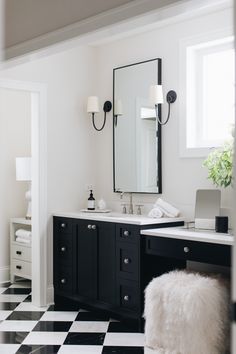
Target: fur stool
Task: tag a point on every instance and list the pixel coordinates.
(187, 313)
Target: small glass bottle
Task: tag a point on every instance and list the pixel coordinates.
(91, 201)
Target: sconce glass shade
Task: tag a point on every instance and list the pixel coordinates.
(155, 95)
(23, 168)
(118, 108)
(93, 104)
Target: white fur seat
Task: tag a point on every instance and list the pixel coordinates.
(187, 313)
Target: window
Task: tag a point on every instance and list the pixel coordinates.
(210, 95)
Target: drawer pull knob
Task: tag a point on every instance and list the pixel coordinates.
(126, 297)
(89, 227)
(63, 249)
(18, 252)
(63, 281)
(63, 225)
(18, 267)
(126, 260)
(186, 249)
(126, 233)
(94, 227)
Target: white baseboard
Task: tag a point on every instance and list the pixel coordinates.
(4, 274)
(50, 295)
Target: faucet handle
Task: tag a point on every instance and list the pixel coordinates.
(139, 211)
(124, 210)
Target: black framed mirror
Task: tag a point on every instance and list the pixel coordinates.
(136, 132)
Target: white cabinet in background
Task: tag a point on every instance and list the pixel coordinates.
(20, 253)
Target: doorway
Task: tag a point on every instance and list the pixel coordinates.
(38, 96)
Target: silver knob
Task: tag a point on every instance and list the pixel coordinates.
(126, 297)
(63, 249)
(126, 261)
(63, 281)
(186, 249)
(94, 227)
(126, 233)
(63, 225)
(89, 227)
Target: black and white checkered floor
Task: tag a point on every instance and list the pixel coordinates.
(25, 328)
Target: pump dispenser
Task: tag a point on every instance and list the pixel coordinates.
(91, 201)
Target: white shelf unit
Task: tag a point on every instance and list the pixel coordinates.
(20, 253)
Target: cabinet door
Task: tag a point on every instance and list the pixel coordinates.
(87, 259)
(106, 263)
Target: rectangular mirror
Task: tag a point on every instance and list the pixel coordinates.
(136, 132)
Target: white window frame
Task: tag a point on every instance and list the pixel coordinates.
(184, 45)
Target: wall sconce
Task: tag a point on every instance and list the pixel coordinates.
(118, 110)
(93, 107)
(156, 97)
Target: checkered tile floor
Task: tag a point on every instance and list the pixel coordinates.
(25, 328)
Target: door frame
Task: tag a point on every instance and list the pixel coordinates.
(38, 93)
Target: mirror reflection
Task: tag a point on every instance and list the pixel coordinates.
(137, 134)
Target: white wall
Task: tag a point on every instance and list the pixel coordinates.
(70, 78)
(15, 115)
(181, 176)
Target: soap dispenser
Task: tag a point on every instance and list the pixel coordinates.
(91, 201)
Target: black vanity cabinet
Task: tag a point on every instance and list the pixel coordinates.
(102, 265)
(95, 271)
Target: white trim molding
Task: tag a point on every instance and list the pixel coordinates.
(50, 295)
(4, 274)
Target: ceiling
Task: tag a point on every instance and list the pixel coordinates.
(28, 19)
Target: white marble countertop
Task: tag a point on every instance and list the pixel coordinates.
(191, 235)
(118, 218)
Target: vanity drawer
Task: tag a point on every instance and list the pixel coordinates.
(63, 281)
(63, 225)
(21, 252)
(127, 256)
(189, 250)
(63, 249)
(127, 233)
(128, 293)
(21, 268)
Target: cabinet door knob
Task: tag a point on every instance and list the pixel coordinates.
(18, 252)
(18, 267)
(63, 249)
(126, 260)
(63, 281)
(89, 227)
(94, 227)
(63, 225)
(126, 297)
(186, 249)
(126, 233)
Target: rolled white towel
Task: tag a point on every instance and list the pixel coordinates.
(23, 233)
(22, 240)
(167, 208)
(156, 212)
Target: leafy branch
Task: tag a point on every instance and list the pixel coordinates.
(220, 165)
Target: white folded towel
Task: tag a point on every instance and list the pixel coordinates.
(23, 233)
(23, 240)
(167, 208)
(156, 212)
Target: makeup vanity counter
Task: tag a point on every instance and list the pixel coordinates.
(189, 245)
(191, 234)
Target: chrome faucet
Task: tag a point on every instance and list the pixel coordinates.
(130, 206)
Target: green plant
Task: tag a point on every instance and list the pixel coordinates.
(220, 165)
